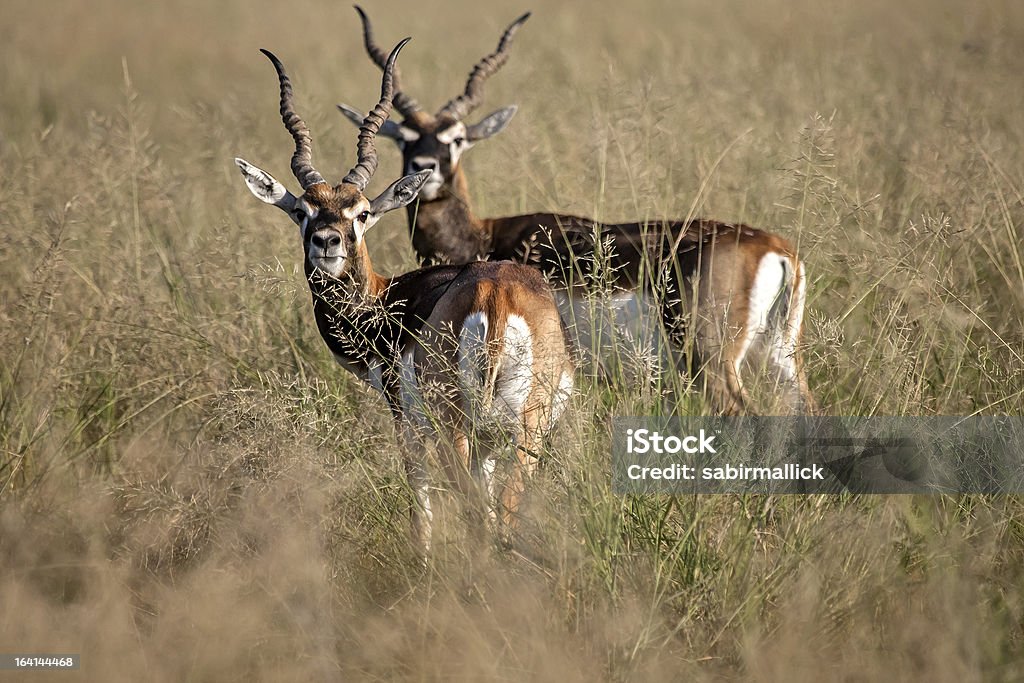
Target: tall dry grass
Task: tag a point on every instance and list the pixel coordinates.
(191, 490)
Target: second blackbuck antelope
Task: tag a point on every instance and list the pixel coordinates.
(720, 293)
(472, 357)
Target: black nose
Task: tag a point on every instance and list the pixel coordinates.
(325, 241)
(417, 165)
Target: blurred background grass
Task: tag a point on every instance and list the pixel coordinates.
(190, 489)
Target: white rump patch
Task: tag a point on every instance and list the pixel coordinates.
(769, 285)
(773, 322)
(515, 370)
(765, 294)
(497, 386)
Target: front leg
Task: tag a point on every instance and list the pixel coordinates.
(421, 513)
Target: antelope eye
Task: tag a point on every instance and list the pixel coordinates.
(299, 214)
(459, 141)
(363, 217)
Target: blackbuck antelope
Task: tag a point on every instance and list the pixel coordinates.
(719, 293)
(471, 356)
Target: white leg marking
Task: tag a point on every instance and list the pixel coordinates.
(490, 485)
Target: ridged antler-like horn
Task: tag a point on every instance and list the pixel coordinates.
(302, 160)
(366, 166)
(469, 100)
(406, 105)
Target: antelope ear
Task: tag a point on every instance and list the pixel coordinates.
(400, 193)
(265, 186)
(389, 129)
(491, 125)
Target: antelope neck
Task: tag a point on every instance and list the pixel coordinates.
(446, 230)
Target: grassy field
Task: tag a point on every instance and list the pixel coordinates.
(190, 489)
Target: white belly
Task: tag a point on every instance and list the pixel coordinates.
(618, 337)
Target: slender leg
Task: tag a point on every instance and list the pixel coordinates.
(519, 470)
(459, 466)
(720, 341)
(720, 371)
(421, 513)
(488, 484)
(723, 387)
(783, 364)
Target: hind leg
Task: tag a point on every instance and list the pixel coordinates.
(709, 324)
(773, 353)
(783, 356)
(464, 475)
(517, 472)
(721, 348)
(723, 387)
(790, 378)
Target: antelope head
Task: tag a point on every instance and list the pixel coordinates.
(436, 143)
(333, 220)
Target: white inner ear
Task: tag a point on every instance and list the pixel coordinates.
(264, 186)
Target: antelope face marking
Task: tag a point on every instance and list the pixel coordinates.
(332, 222)
(433, 145)
(436, 143)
